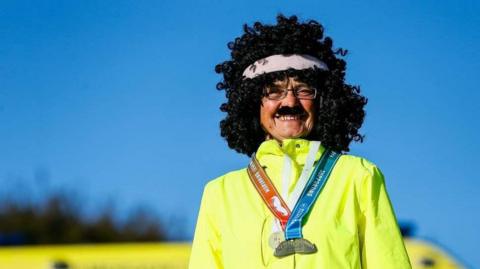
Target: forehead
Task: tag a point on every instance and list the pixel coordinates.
(293, 81)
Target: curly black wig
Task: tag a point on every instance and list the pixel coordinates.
(340, 107)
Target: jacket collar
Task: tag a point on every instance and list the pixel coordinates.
(296, 149)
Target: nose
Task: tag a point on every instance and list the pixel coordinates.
(290, 100)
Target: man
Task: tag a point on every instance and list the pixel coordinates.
(300, 203)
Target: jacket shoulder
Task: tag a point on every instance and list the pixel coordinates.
(358, 164)
(227, 180)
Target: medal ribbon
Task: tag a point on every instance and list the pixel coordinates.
(267, 191)
(302, 181)
(310, 193)
(291, 200)
(274, 200)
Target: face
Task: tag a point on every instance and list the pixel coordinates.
(289, 117)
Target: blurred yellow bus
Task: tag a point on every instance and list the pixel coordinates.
(423, 255)
(97, 256)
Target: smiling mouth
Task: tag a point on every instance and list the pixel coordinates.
(295, 113)
(289, 117)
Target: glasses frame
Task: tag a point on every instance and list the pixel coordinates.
(294, 91)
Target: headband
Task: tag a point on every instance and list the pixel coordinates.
(280, 62)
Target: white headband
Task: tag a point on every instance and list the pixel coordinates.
(281, 62)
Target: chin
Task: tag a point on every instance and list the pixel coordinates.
(293, 136)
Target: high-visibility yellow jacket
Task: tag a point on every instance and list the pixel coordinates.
(352, 222)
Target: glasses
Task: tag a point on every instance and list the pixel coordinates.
(300, 92)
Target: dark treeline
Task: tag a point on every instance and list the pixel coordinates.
(57, 219)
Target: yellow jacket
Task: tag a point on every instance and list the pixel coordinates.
(352, 222)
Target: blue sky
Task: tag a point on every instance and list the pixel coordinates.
(117, 100)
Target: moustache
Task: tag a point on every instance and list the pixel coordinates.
(286, 110)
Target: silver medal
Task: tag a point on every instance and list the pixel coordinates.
(275, 239)
(292, 246)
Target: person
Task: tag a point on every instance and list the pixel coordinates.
(302, 202)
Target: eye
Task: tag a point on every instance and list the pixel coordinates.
(274, 90)
(274, 93)
(304, 91)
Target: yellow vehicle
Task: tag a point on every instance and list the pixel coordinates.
(423, 255)
(97, 256)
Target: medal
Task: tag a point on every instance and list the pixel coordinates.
(275, 239)
(297, 245)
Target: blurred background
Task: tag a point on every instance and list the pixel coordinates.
(109, 117)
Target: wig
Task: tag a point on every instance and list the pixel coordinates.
(339, 106)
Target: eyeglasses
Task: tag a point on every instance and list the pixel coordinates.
(300, 92)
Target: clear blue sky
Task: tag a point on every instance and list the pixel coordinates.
(117, 99)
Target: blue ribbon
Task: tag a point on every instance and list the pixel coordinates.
(310, 193)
